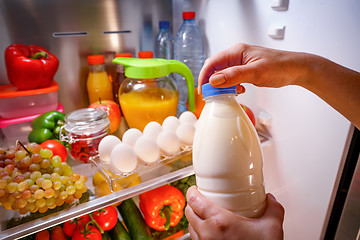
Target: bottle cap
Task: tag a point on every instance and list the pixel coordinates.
(145, 54)
(164, 24)
(96, 59)
(209, 90)
(188, 15)
(128, 55)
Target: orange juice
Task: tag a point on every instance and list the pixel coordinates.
(150, 104)
(99, 87)
(98, 83)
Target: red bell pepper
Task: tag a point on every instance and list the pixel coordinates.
(162, 207)
(30, 67)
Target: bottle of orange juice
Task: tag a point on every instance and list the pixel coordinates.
(98, 83)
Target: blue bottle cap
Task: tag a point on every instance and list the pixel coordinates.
(164, 24)
(208, 90)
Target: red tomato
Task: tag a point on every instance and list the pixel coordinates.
(106, 218)
(70, 226)
(88, 233)
(249, 113)
(56, 147)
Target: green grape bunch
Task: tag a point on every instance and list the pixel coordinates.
(33, 180)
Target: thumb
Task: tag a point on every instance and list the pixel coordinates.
(232, 76)
(274, 210)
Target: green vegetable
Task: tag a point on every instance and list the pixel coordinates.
(46, 126)
(105, 236)
(119, 232)
(134, 220)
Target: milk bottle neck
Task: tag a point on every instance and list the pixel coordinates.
(221, 97)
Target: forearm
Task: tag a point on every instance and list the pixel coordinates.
(335, 84)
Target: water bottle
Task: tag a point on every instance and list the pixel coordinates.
(189, 49)
(227, 157)
(164, 41)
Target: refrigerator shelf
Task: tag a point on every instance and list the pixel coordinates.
(168, 170)
(153, 179)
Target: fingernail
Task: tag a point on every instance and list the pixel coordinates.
(272, 196)
(217, 79)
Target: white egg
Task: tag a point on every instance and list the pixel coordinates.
(168, 142)
(152, 129)
(171, 123)
(147, 150)
(187, 117)
(123, 158)
(185, 133)
(106, 146)
(131, 136)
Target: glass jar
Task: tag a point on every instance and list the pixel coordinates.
(83, 130)
(146, 100)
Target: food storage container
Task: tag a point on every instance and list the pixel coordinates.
(18, 128)
(16, 103)
(83, 130)
(149, 92)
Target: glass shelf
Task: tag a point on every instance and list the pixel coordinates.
(157, 176)
(167, 171)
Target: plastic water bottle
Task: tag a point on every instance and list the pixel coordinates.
(227, 157)
(189, 49)
(164, 41)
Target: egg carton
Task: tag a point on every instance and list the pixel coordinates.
(111, 176)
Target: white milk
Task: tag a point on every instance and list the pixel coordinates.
(227, 157)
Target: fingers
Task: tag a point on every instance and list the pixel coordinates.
(201, 206)
(222, 60)
(273, 208)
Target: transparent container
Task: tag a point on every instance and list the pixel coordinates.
(83, 130)
(16, 103)
(98, 83)
(189, 49)
(164, 41)
(146, 100)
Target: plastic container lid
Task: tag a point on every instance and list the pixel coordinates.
(10, 91)
(123, 55)
(164, 24)
(146, 54)
(188, 15)
(209, 90)
(6, 122)
(96, 59)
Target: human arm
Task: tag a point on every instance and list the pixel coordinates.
(264, 67)
(209, 221)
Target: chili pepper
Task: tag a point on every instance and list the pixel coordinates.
(162, 207)
(30, 67)
(46, 126)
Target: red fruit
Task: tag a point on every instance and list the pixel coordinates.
(249, 113)
(113, 111)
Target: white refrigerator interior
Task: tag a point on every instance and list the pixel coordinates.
(302, 162)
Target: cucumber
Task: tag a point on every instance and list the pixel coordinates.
(119, 232)
(134, 221)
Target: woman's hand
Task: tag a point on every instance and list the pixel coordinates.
(209, 221)
(264, 67)
(260, 66)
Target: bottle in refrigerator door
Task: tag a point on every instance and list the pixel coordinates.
(164, 41)
(189, 49)
(120, 76)
(227, 157)
(98, 82)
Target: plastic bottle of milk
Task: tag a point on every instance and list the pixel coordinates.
(227, 157)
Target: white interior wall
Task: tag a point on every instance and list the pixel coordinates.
(308, 136)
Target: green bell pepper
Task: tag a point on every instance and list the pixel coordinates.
(46, 126)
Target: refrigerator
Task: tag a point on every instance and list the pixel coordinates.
(311, 150)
